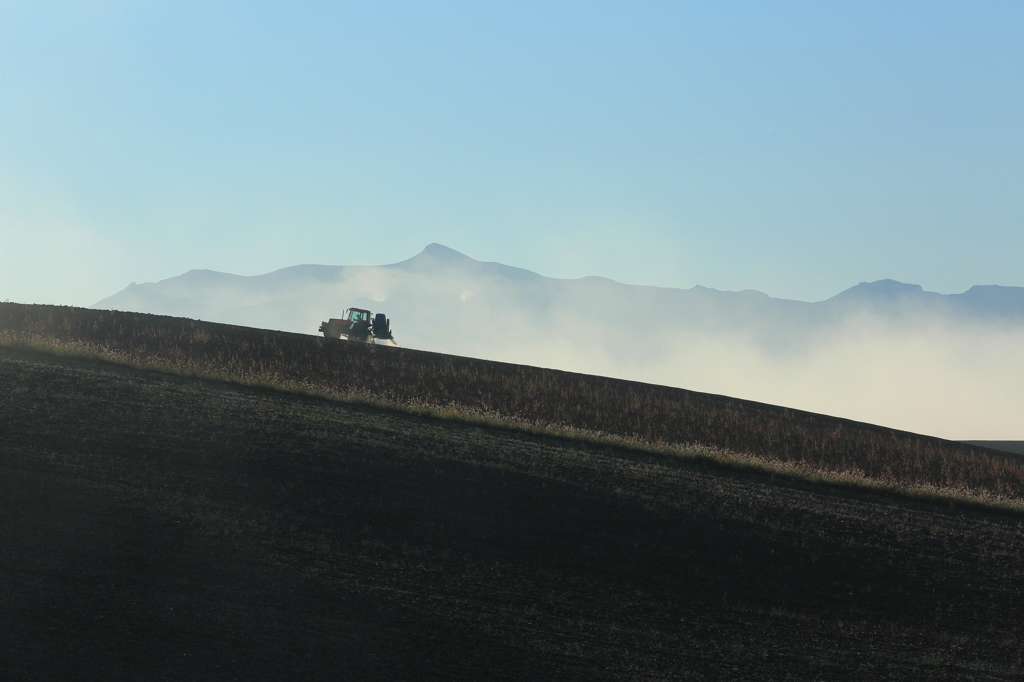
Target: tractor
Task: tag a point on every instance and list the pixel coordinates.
(357, 326)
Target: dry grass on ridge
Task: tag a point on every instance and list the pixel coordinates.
(709, 427)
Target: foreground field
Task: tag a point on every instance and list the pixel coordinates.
(660, 415)
(154, 527)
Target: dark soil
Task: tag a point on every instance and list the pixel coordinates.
(657, 414)
(156, 528)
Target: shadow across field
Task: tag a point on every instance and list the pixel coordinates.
(155, 527)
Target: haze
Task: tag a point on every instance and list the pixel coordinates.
(793, 148)
(885, 352)
(796, 148)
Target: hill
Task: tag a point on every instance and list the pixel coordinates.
(801, 442)
(881, 352)
(158, 527)
(1014, 446)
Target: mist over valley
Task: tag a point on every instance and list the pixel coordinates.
(883, 352)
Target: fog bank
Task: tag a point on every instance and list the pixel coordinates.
(884, 352)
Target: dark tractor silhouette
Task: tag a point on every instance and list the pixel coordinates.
(357, 326)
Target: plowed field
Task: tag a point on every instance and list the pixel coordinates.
(154, 528)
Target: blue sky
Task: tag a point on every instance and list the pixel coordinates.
(794, 148)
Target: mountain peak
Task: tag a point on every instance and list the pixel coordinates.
(434, 256)
(883, 288)
(440, 251)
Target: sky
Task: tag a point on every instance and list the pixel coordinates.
(796, 148)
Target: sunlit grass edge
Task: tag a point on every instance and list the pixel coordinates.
(692, 453)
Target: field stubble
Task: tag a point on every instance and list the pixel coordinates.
(718, 429)
(155, 527)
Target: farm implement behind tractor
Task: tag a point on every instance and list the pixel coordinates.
(357, 325)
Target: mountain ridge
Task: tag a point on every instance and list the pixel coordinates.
(883, 352)
(435, 253)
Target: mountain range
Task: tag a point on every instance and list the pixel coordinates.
(880, 351)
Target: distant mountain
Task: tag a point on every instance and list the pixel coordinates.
(443, 284)
(985, 301)
(874, 352)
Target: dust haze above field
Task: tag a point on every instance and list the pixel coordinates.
(883, 352)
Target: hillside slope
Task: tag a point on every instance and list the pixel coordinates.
(653, 413)
(160, 528)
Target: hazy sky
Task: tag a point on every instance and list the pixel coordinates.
(794, 148)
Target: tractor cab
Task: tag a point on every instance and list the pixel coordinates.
(357, 315)
(357, 327)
